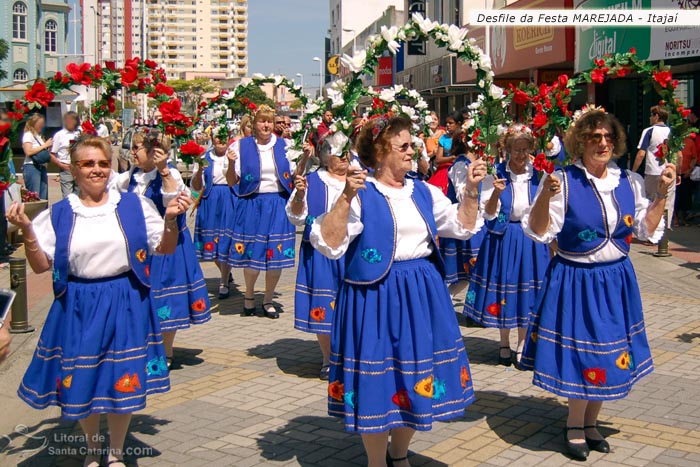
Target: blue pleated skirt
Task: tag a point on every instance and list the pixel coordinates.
(212, 237)
(506, 279)
(460, 256)
(317, 284)
(397, 355)
(586, 338)
(178, 290)
(100, 351)
(262, 237)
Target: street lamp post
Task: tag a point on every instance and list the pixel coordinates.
(301, 76)
(97, 44)
(320, 76)
(354, 37)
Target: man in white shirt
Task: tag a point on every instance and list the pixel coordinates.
(102, 130)
(59, 152)
(649, 143)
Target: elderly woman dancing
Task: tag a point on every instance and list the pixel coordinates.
(100, 350)
(397, 358)
(586, 339)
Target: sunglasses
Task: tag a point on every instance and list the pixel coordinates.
(403, 148)
(89, 164)
(135, 148)
(597, 138)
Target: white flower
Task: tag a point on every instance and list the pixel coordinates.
(481, 83)
(402, 34)
(474, 105)
(417, 141)
(424, 24)
(413, 94)
(409, 111)
(421, 104)
(335, 144)
(336, 97)
(293, 154)
(455, 37)
(471, 41)
(398, 88)
(389, 35)
(333, 128)
(501, 129)
(229, 96)
(485, 62)
(474, 65)
(387, 95)
(311, 108)
(428, 120)
(258, 76)
(496, 92)
(315, 122)
(278, 80)
(468, 123)
(355, 63)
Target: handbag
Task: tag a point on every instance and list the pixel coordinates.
(42, 157)
(695, 174)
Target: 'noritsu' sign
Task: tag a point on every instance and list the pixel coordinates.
(416, 47)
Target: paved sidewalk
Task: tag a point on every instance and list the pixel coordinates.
(246, 393)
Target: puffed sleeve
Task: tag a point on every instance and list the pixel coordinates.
(458, 176)
(641, 205)
(557, 211)
(486, 193)
(169, 196)
(293, 218)
(355, 228)
(448, 225)
(154, 223)
(45, 235)
(236, 145)
(119, 181)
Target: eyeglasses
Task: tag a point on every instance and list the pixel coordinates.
(403, 148)
(521, 151)
(597, 138)
(90, 163)
(135, 148)
(654, 114)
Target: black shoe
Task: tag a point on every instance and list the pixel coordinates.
(578, 451)
(230, 278)
(325, 372)
(517, 357)
(248, 311)
(224, 291)
(390, 460)
(505, 361)
(599, 445)
(270, 311)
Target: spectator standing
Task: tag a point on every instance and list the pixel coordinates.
(59, 152)
(35, 150)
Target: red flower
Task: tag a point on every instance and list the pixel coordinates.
(111, 105)
(111, 66)
(97, 71)
(595, 376)
(539, 162)
(633, 50)
(663, 78)
(5, 128)
(252, 107)
(685, 113)
(599, 62)
(58, 77)
(402, 399)
(164, 89)
(661, 151)
(88, 128)
(520, 97)
(39, 94)
(209, 246)
(692, 135)
(494, 309)
(598, 75)
(15, 116)
(170, 111)
(270, 253)
(318, 314)
(336, 390)
(190, 148)
(79, 73)
(199, 305)
(674, 83)
(539, 121)
(129, 75)
(549, 167)
(150, 64)
(563, 81)
(623, 71)
(132, 62)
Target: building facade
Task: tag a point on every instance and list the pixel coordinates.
(199, 39)
(36, 33)
(350, 17)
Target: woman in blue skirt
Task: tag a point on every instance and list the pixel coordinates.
(459, 255)
(510, 267)
(398, 362)
(262, 238)
(214, 210)
(317, 276)
(586, 340)
(179, 292)
(100, 350)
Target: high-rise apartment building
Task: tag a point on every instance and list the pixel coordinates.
(199, 38)
(120, 30)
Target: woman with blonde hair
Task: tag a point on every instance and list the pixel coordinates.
(100, 350)
(179, 293)
(262, 238)
(36, 156)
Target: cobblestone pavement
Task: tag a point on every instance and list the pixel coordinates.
(245, 392)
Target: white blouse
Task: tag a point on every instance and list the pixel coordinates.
(334, 187)
(605, 186)
(97, 247)
(35, 140)
(412, 234)
(120, 183)
(269, 183)
(219, 168)
(521, 196)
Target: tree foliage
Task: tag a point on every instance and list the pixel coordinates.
(4, 50)
(192, 91)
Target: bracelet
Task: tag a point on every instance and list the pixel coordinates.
(471, 195)
(660, 196)
(166, 174)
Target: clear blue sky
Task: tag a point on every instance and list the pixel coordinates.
(285, 35)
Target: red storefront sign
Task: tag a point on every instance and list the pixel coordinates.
(385, 71)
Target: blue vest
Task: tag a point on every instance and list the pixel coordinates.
(133, 225)
(451, 191)
(585, 228)
(153, 192)
(316, 200)
(498, 225)
(208, 175)
(370, 256)
(251, 166)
